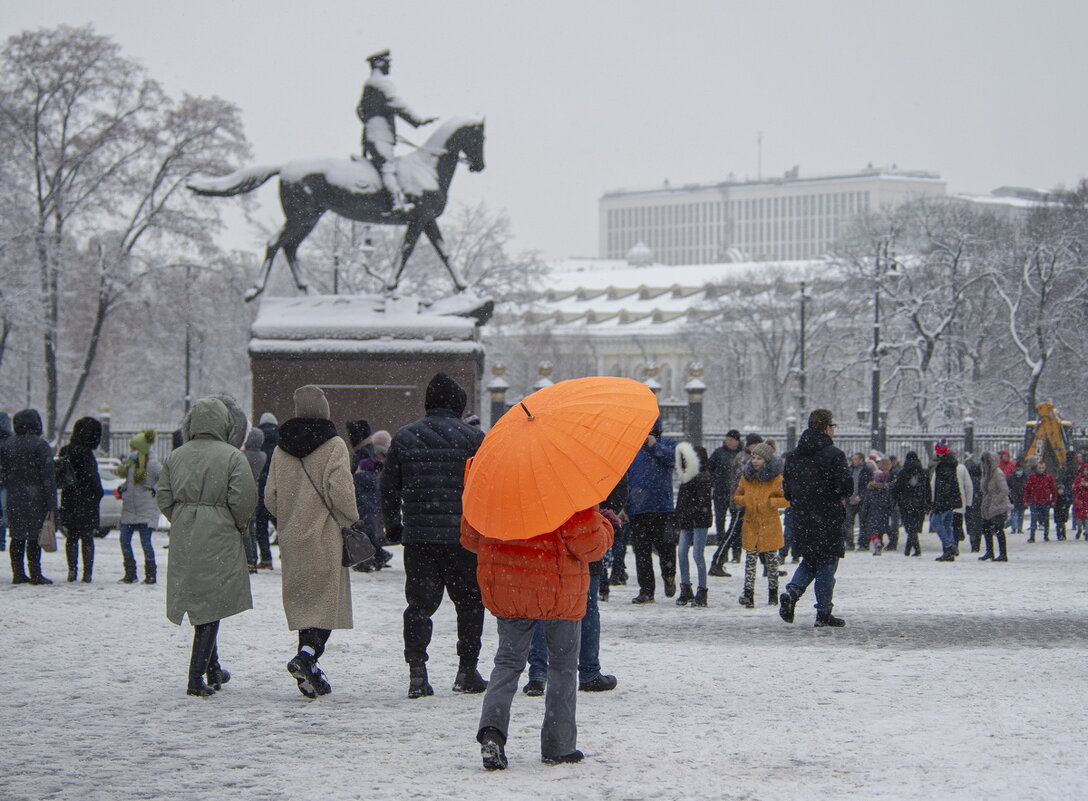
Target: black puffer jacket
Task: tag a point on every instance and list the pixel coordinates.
(693, 503)
(815, 482)
(912, 487)
(424, 476)
(80, 502)
(26, 472)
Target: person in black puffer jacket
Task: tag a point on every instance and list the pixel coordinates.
(693, 518)
(817, 483)
(79, 503)
(912, 496)
(421, 485)
(26, 473)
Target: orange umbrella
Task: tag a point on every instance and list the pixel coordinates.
(559, 451)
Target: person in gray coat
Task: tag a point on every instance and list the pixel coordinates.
(26, 472)
(994, 506)
(255, 455)
(140, 470)
(207, 492)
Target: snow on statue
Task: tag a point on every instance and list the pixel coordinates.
(406, 190)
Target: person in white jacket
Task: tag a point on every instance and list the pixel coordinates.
(952, 494)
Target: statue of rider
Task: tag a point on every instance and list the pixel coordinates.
(378, 109)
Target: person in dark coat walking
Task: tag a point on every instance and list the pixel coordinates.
(817, 484)
(911, 491)
(972, 519)
(421, 487)
(724, 467)
(26, 471)
(860, 474)
(5, 432)
(693, 518)
(876, 512)
(79, 502)
(270, 427)
(255, 455)
(366, 471)
(650, 510)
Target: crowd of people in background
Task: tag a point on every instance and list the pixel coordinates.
(226, 487)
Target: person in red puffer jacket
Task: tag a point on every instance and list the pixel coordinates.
(1040, 493)
(545, 578)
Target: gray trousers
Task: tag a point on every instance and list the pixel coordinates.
(559, 732)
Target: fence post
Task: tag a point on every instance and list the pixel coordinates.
(544, 370)
(968, 434)
(652, 369)
(791, 432)
(695, 389)
(104, 414)
(496, 389)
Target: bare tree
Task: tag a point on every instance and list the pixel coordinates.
(106, 154)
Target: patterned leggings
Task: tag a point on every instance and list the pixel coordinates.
(771, 562)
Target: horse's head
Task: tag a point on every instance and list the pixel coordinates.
(472, 145)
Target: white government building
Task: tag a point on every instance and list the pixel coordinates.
(786, 218)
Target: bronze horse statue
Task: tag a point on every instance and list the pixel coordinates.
(353, 189)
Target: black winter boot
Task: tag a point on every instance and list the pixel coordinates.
(786, 603)
(746, 600)
(686, 596)
(772, 596)
(418, 686)
(949, 555)
(469, 680)
(828, 620)
(311, 679)
(150, 571)
(34, 563)
(217, 676)
(16, 552)
(700, 597)
(203, 643)
(130, 572)
(1001, 556)
(492, 742)
(88, 558)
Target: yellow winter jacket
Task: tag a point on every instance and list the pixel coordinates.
(762, 526)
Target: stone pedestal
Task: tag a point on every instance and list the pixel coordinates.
(372, 357)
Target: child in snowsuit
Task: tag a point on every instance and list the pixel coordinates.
(759, 493)
(876, 511)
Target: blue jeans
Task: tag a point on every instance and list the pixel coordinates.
(589, 651)
(693, 537)
(941, 523)
(820, 569)
(145, 542)
(1016, 520)
(1040, 516)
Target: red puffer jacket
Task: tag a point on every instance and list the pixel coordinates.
(1040, 489)
(545, 578)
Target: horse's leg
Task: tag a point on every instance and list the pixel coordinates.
(299, 231)
(411, 236)
(266, 267)
(430, 228)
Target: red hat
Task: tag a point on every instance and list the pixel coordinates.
(941, 448)
(1003, 452)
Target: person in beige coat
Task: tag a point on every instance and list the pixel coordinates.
(311, 494)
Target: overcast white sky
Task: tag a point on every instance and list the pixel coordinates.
(587, 95)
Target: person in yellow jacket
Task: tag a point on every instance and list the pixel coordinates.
(759, 493)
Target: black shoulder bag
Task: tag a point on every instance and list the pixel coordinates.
(358, 548)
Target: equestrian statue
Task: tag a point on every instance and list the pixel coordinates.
(409, 190)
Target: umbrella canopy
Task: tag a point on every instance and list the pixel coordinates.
(559, 451)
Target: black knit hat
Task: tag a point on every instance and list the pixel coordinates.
(445, 393)
(733, 434)
(752, 439)
(358, 430)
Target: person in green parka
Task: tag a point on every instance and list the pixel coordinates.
(207, 492)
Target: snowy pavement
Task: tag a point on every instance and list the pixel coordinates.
(961, 680)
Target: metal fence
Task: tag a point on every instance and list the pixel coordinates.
(900, 442)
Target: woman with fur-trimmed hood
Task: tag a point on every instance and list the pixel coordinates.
(759, 492)
(693, 518)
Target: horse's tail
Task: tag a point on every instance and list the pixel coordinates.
(237, 183)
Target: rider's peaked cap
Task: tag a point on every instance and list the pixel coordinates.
(381, 55)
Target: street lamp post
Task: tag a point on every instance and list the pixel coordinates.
(877, 430)
(802, 376)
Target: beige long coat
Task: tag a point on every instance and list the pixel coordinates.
(316, 586)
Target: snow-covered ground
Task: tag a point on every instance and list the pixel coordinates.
(965, 680)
